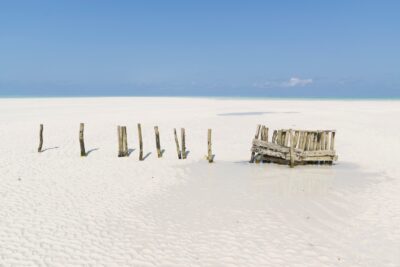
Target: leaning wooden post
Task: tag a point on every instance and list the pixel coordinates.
(140, 142)
(177, 144)
(119, 141)
(158, 146)
(291, 151)
(255, 137)
(81, 141)
(40, 138)
(183, 137)
(210, 156)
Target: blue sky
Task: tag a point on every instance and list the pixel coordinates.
(234, 48)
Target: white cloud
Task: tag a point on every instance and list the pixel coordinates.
(292, 82)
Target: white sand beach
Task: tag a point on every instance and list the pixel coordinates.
(58, 209)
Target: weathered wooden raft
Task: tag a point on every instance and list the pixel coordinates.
(294, 147)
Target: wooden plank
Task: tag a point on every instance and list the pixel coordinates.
(292, 159)
(274, 135)
(318, 153)
(81, 140)
(177, 145)
(315, 141)
(210, 156)
(140, 142)
(263, 133)
(333, 141)
(271, 146)
(158, 146)
(287, 136)
(40, 138)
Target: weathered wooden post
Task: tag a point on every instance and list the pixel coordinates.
(158, 146)
(210, 155)
(273, 140)
(140, 142)
(255, 137)
(125, 142)
(177, 145)
(81, 140)
(40, 138)
(291, 151)
(183, 137)
(120, 142)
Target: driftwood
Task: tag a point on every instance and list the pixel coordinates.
(295, 147)
(81, 140)
(40, 138)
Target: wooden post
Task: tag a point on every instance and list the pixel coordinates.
(158, 141)
(326, 141)
(262, 133)
(81, 140)
(183, 143)
(210, 156)
(140, 142)
(119, 141)
(287, 135)
(296, 138)
(40, 138)
(279, 138)
(177, 145)
(291, 149)
(274, 137)
(255, 137)
(125, 142)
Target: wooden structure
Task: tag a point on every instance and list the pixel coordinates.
(294, 147)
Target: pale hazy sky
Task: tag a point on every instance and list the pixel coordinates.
(250, 48)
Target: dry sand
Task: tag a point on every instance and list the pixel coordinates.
(58, 209)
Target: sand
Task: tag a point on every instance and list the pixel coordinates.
(58, 209)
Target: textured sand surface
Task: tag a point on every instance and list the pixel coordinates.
(58, 209)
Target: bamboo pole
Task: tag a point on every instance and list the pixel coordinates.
(158, 146)
(81, 140)
(177, 145)
(40, 138)
(183, 137)
(140, 142)
(210, 155)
